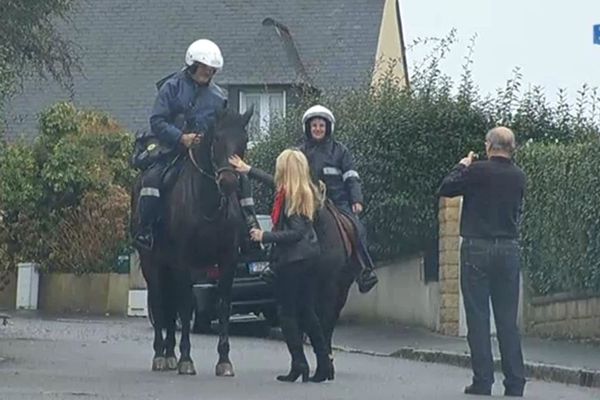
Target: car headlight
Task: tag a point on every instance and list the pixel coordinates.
(257, 267)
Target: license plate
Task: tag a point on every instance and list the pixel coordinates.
(257, 267)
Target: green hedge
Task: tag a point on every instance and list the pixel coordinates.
(561, 223)
(65, 197)
(403, 144)
(405, 141)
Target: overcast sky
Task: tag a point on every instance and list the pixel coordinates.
(551, 40)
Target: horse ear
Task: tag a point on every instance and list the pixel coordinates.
(247, 115)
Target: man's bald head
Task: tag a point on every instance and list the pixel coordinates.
(500, 140)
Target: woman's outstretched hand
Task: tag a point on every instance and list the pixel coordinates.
(239, 164)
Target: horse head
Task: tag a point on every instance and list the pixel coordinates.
(228, 137)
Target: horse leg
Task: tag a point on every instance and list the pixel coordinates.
(156, 305)
(224, 366)
(327, 298)
(343, 283)
(183, 285)
(170, 317)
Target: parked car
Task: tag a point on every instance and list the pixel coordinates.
(250, 294)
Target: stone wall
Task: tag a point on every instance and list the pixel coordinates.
(566, 315)
(449, 247)
(89, 294)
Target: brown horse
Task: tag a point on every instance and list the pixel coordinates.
(199, 228)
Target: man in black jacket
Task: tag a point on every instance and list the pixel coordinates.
(492, 193)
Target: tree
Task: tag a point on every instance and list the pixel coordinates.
(31, 41)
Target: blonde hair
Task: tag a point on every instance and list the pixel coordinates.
(293, 175)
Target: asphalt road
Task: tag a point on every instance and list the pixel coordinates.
(111, 358)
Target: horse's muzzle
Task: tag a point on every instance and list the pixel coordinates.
(227, 180)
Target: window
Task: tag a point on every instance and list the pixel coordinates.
(267, 106)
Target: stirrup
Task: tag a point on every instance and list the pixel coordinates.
(366, 280)
(268, 275)
(144, 240)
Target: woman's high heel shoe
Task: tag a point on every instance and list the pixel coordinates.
(324, 370)
(331, 370)
(296, 371)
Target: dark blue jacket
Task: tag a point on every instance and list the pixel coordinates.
(331, 162)
(179, 95)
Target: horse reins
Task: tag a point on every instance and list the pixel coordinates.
(198, 167)
(214, 178)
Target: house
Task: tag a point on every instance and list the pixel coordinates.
(272, 51)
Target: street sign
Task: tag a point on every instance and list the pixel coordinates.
(597, 34)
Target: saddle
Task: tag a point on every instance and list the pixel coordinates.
(172, 172)
(348, 232)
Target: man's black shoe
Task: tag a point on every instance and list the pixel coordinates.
(472, 389)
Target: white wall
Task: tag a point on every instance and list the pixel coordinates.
(400, 296)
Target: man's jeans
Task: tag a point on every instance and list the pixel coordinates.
(490, 268)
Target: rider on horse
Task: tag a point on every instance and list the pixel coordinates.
(331, 162)
(185, 109)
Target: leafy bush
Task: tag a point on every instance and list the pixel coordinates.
(89, 237)
(561, 224)
(80, 158)
(405, 140)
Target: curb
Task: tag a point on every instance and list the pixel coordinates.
(547, 372)
(541, 371)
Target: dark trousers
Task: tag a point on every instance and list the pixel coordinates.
(490, 269)
(362, 233)
(150, 193)
(295, 288)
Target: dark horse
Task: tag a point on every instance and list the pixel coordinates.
(200, 227)
(337, 271)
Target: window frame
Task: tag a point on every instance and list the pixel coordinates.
(264, 121)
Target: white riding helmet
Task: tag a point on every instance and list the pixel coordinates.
(317, 111)
(206, 52)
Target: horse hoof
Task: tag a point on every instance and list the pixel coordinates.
(171, 363)
(224, 369)
(332, 369)
(186, 368)
(159, 364)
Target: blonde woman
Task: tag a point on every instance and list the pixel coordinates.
(295, 248)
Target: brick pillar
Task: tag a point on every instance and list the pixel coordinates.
(449, 246)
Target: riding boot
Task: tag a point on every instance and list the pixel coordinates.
(148, 212)
(324, 367)
(249, 214)
(251, 223)
(366, 279)
(293, 340)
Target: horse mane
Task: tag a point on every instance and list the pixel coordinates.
(196, 193)
(228, 117)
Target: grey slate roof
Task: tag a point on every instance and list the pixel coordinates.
(275, 59)
(127, 45)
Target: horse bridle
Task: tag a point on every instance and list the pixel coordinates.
(215, 177)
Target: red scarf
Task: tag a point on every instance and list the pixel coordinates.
(278, 206)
